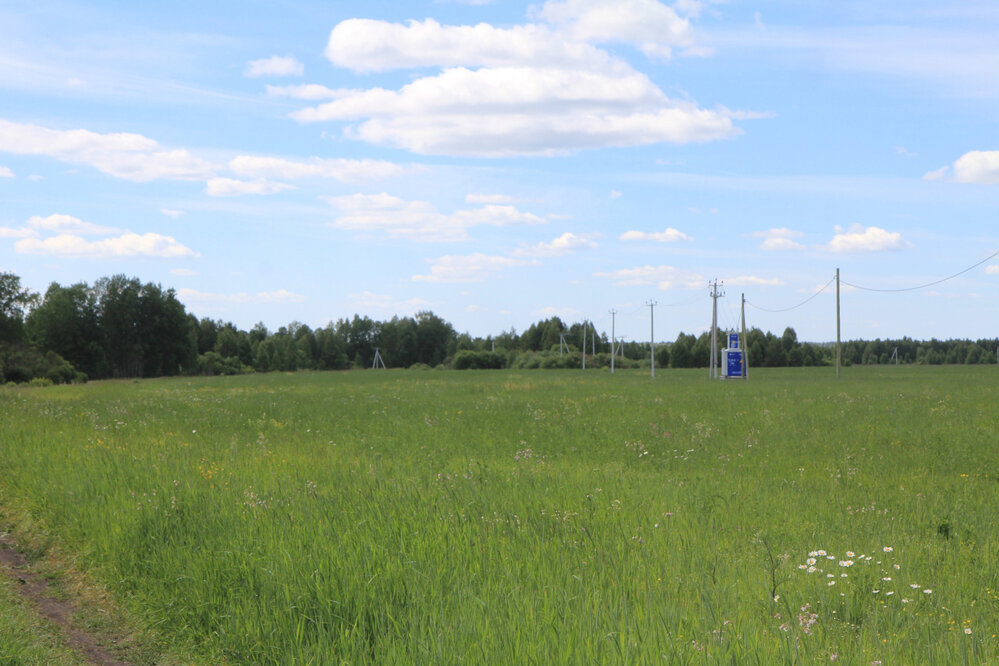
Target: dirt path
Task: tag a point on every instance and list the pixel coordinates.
(62, 613)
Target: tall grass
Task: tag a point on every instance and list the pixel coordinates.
(534, 517)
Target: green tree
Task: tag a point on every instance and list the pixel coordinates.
(67, 322)
(15, 301)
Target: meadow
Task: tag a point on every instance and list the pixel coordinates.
(529, 517)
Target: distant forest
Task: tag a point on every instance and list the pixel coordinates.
(120, 328)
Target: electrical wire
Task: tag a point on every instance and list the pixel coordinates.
(793, 307)
(928, 284)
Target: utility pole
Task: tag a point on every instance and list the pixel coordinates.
(562, 345)
(377, 360)
(612, 313)
(593, 339)
(652, 334)
(584, 344)
(839, 353)
(745, 342)
(715, 294)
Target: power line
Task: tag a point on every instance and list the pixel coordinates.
(928, 284)
(824, 287)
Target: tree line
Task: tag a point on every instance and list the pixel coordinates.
(120, 327)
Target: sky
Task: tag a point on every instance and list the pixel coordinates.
(499, 163)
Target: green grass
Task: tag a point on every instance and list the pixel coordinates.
(532, 517)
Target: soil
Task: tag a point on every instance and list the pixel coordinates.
(62, 613)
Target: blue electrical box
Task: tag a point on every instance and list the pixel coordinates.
(733, 365)
(733, 341)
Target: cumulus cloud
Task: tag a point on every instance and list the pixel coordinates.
(541, 88)
(230, 187)
(276, 296)
(5, 172)
(67, 224)
(564, 244)
(130, 156)
(367, 45)
(58, 224)
(992, 269)
(507, 111)
(274, 66)
(469, 268)
(670, 235)
(345, 170)
(126, 245)
(977, 166)
(780, 238)
(653, 27)
(869, 239)
(663, 277)
(420, 220)
(20, 232)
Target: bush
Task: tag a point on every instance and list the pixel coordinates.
(40, 382)
(467, 359)
(213, 363)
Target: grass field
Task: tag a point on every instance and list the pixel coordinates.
(534, 517)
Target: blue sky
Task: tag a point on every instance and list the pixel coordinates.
(500, 163)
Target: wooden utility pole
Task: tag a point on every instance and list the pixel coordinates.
(745, 342)
(839, 353)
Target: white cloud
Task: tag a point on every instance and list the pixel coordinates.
(564, 244)
(614, 194)
(870, 239)
(650, 25)
(174, 214)
(67, 224)
(753, 280)
(507, 111)
(349, 171)
(532, 89)
(420, 220)
(274, 66)
(308, 91)
(671, 235)
(992, 269)
(277, 296)
(229, 187)
(11, 232)
(663, 277)
(490, 199)
(469, 268)
(183, 272)
(366, 45)
(5, 172)
(780, 238)
(939, 174)
(129, 156)
(126, 245)
(978, 166)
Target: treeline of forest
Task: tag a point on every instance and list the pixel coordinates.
(120, 327)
